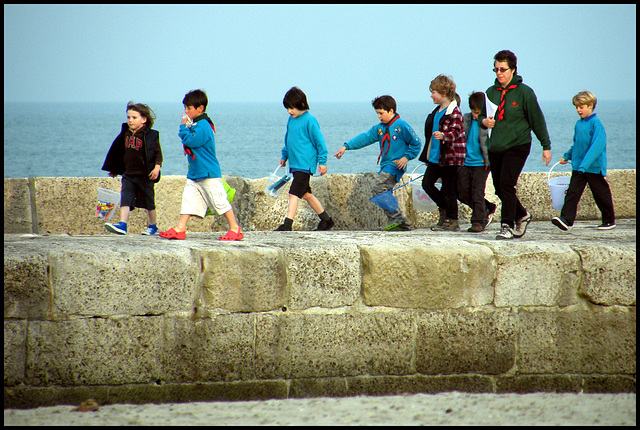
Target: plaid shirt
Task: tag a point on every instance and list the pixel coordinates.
(453, 149)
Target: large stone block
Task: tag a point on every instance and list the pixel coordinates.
(427, 275)
(17, 206)
(339, 343)
(573, 340)
(15, 351)
(27, 292)
(242, 278)
(327, 276)
(535, 274)
(94, 351)
(215, 348)
(608, 273)
(120, 280)
(461, 342)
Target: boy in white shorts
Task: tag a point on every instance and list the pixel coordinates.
(204, 179)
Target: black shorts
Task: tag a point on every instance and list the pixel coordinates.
(137, 192)
(300, 184)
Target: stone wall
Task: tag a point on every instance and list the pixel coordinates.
(67, 205)
(136, 319)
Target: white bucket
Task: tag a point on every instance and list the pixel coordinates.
(108, 202)
(558, 187)
(421, 200)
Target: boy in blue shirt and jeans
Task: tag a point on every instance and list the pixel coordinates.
(588, 155)
(398, 144)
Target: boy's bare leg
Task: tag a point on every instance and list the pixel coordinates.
(231, 219)
(293, 206)
(182, 223)
(152, 216)
(313, 202)
(124, 213)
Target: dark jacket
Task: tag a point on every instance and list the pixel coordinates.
(114, 162)
(453, 144)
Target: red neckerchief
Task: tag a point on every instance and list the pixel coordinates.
(187, 151)
(386, 138)
(503, 91)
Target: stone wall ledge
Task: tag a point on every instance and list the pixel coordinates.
(298, 313)
(67, 205)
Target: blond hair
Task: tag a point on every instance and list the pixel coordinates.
(584, 98)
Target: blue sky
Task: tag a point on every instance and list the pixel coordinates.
(255, 53)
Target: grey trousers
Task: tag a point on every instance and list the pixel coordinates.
(386, 182)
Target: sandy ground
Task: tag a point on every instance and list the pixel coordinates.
(417, 409)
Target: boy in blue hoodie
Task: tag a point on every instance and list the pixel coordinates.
(305, 150)
(204, 187)
(588, 155)
(398, 144)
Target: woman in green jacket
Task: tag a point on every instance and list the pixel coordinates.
(509, 141)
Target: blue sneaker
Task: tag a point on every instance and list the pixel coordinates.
(120, 228)
(151, 230)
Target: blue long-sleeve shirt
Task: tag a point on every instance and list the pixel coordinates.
(304, 145)
(403, 143)
(203, 162)
(589, 150)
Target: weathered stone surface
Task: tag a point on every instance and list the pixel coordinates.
(307, 345)
(462, 342)
(243, 279)
(608, 273)
(430, 275)
(218, 348)
(344, 196)
(94, 351)
(17, 206)
(27, 292)
(593, 340)
(534, 274)
(15, 336)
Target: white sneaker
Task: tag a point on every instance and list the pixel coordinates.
(505, 233)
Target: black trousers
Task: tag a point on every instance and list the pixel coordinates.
(506, 167)
(472, 181)
(445, 198)
(601, 195)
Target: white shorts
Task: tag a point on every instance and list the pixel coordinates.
(198, 195)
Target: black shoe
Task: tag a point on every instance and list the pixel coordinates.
(284, 227)
(325, 225)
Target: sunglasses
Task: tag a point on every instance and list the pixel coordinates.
(501, 70)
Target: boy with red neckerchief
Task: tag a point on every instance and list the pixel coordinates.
(398, 144)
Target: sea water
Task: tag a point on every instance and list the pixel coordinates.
(72, 139)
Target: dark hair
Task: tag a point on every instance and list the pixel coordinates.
(475, 100)
(386, 103)
(196, 98)
(509, 57)
(295, 99)
(144, 110)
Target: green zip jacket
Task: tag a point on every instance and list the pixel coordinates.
(522, 115)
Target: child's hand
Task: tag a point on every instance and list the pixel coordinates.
(322, 169)
(401, 163)
(154, 173)
(563, 161)
(283, 163)
(489, 122)
(340, 152)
